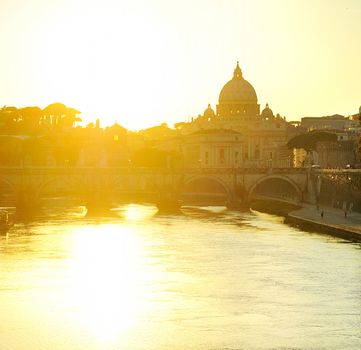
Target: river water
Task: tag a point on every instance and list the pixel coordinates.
(207, 279)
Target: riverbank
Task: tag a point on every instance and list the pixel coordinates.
(333, 221)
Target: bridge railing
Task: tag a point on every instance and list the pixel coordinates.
(153, 170)
(337, 171)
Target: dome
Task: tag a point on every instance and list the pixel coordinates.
(209, 112)
(238, 90)
(267, 112)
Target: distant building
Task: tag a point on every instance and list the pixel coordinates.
(338, 154)
(355, 124)
(332, 122)
(102, 148)
(357, 117)
(213, 148)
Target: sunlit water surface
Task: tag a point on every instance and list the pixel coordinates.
(207, 279)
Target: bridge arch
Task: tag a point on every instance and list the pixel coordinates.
(7, 186)
(8, 193)
(204, 182)
(205, 190)
(63, 186)
(271, 181)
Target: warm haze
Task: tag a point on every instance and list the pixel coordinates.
(238, 228)
(145, 62)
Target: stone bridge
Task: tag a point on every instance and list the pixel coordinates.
(24, 187)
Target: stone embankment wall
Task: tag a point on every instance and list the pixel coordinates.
(344, 196)
(323, 227)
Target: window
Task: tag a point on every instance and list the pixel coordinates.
(221, 155)
(257, 152)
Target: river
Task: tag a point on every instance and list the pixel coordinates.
(207, 279)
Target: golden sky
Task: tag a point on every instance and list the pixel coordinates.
(146, 62)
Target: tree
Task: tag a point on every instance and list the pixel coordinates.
(53, 113)
(57, 114)
(30, 117)
(309, 140)
(9, 119)
(70, 117)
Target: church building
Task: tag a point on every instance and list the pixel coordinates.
(264, 134)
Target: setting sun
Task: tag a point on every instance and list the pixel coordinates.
(142, 63)
(101, 59)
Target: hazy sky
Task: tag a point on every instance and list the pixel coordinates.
(145, 62)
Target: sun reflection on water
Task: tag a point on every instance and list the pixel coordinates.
(108, 287)
(135, 212)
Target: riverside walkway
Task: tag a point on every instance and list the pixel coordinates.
(333, 222)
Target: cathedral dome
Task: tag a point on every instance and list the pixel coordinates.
(267, 113)
(209, 112)
(237, 90)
